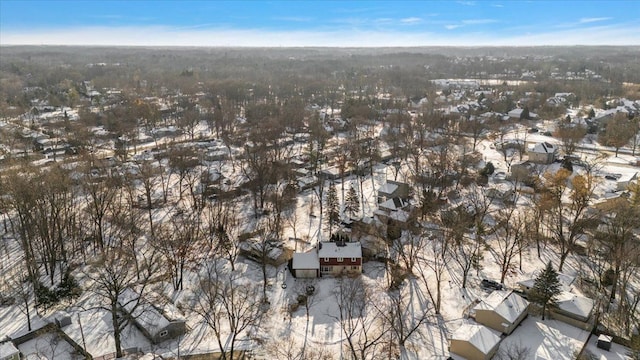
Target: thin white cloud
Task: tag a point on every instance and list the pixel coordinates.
(467, 3)
(582, 22)
(411, 20)
(497, 5)
(594, 19)
(619, 34)
(452, 26)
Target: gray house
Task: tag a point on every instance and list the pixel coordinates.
(393, 189)
(542, 153)
(502, 311)
(148, 319)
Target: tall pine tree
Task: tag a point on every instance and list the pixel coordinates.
(546, 289)
(352, 202)
(332, 208)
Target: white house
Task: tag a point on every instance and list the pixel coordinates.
(474, 342)
(502, 311)
(574, 309)
(542, 153)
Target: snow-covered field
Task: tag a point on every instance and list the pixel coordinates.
(548, 339)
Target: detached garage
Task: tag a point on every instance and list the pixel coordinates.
(306, 265)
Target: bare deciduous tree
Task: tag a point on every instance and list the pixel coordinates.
(363, 331)
(111, 275)
(227, 306)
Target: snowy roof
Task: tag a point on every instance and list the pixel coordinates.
(575, 304)
(543, 148)
(505, 303)
(481, 337)
(145, 314)
(332, 250)
(399, 215)
(305, 261)
(393, 204)
(517, 112)
(565, 281)
(388, 188)
(7, 349)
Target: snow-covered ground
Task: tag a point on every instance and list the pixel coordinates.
(617, 351)
(546, 339)
(47, 346)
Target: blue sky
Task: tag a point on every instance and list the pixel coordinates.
(320, 23)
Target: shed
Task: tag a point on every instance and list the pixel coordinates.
(306, 265)
(474, 342)
(604, 342)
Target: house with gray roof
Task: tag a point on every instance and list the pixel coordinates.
(474, 342)
(502, 311)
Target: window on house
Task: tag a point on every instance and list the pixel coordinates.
(354, 268)
(353, 259)
(326, 269)
(326, 259)
(339, 259)
(163, 333)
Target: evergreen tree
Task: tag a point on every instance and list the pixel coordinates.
(592, 113)
(546, 289)
(332, 207)
(352, 202)
(524, 115)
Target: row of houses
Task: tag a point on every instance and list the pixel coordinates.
(502, 311)
(153, 323)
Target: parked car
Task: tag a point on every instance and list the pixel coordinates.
(491, 285)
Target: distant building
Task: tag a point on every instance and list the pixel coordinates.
(393, 201)
(393, 189)
(516, 113)
(474, 342)
(625, 180)
(542, 153)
